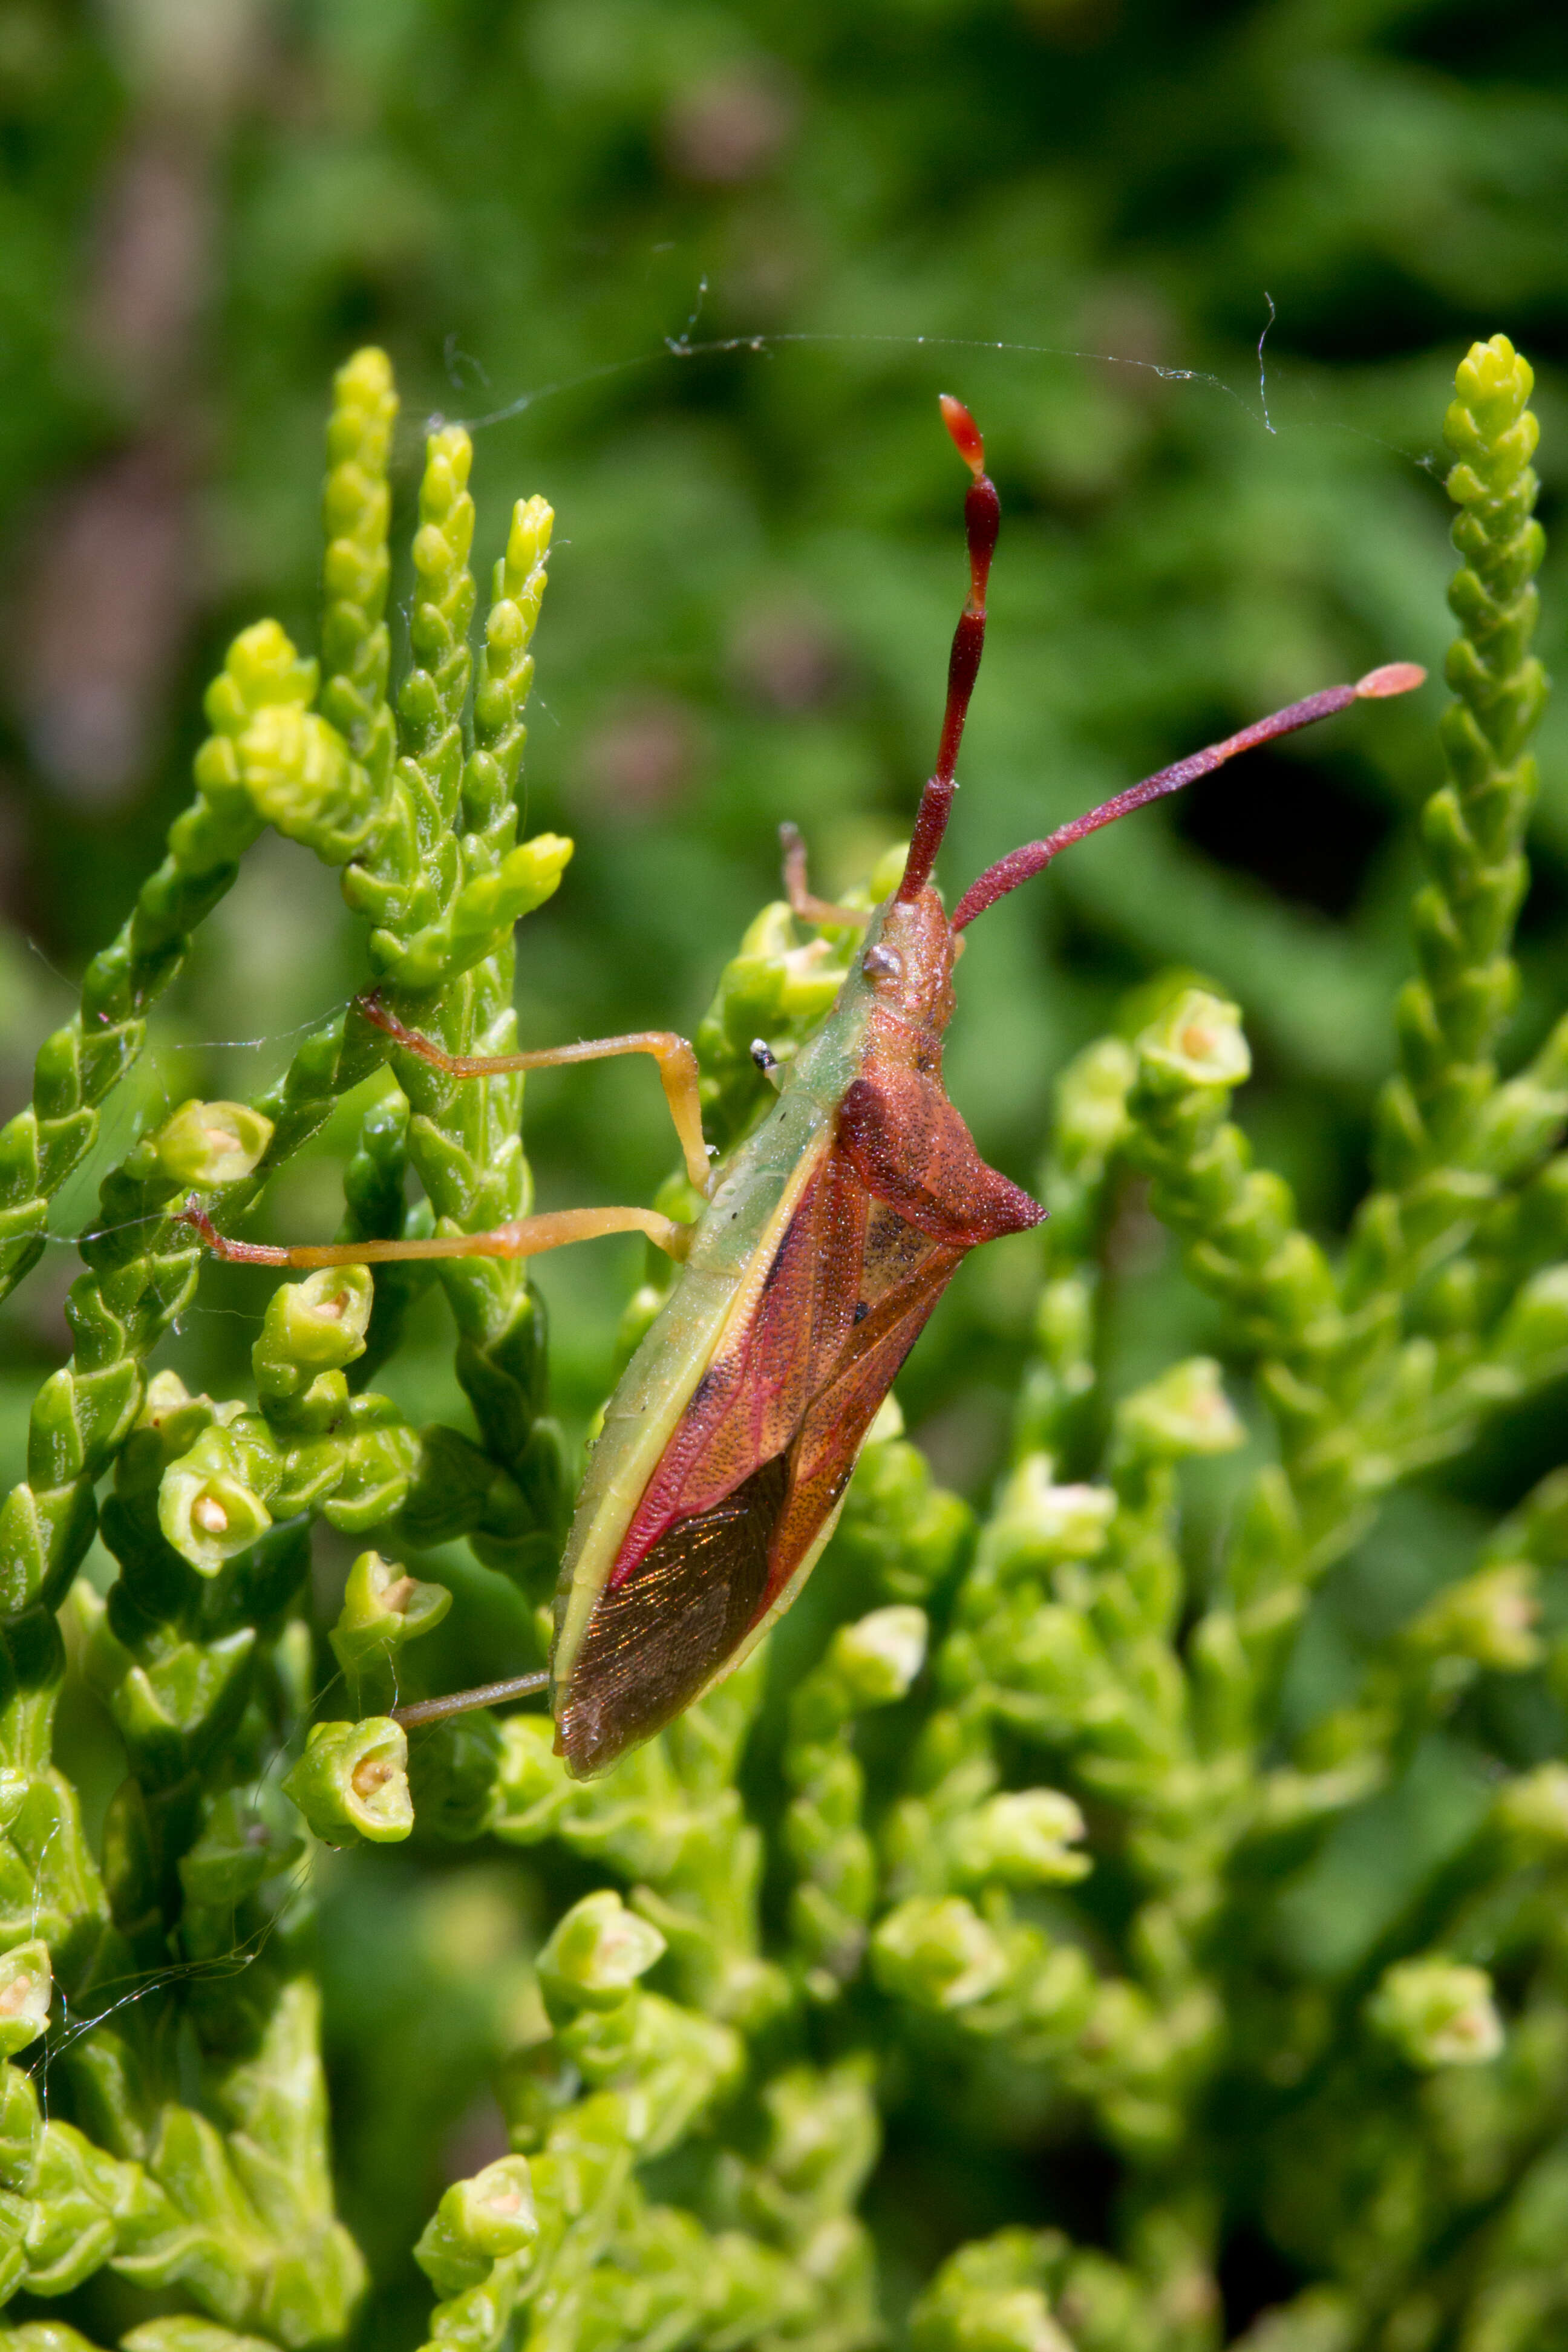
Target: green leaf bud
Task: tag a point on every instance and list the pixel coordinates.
(54, 2335)
(260, 668)
(1037, 1524)
(1531, 1810)
(886, 873)
(206, 1144)
(315, 1326)
(520, 578)
(1490, 1617)
(532, 1787)
(1486, 423)
(990, 2297)
(1524, 1118)
(383, 1607)
(354, 1777)
(1022, 1838)
(1196, 1042)
(529, 874)
(1091, 1102)
(1437, 2011)
(596, 1953)
(878, 1658)
(1533, 1345)
(171, 1708)
(165, 1393)
(1016, 2319)
(769, 937)
(300, 779)
(208, 1509)
(1106, 2305)
(807, 985)
(533, 2084)
(938, 1952)
(1185, 1411)
(477, 920)
(249, 1836)
(908, 1531)
(184, 2332)
(476, 2223)
(453, 1775)
(26, 1984)
(176, 1419)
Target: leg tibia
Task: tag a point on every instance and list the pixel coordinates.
(524, 1237)
(677, 1069)
(435, 1710)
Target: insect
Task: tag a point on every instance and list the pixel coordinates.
(826, 1241)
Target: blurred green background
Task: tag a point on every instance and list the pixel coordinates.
(1077, 213)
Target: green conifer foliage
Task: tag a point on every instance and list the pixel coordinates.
(1028, 1857)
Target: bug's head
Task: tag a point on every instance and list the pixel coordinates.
(914, 895)
(905, 963)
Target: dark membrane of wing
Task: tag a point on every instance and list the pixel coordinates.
(654, 1641)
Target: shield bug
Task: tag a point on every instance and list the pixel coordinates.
(826, 1241)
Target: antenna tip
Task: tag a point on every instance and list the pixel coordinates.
(1393, 677)
(965, 433)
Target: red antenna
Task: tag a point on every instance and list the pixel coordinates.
(1395, 677)
(982, 520)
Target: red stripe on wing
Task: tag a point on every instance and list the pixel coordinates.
(834, 1427)
(896, 1200)
(750, 1402)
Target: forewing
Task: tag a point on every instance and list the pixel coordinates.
(835, 1424)
(924, 1212)
(774, 1355)
(748, 1486)
(659, 1637)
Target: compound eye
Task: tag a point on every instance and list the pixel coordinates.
(880, 963)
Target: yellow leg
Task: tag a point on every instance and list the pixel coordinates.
(809, 908)
(676, 1070)
(524, 1237)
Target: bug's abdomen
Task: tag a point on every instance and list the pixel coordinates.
(659, 1637)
